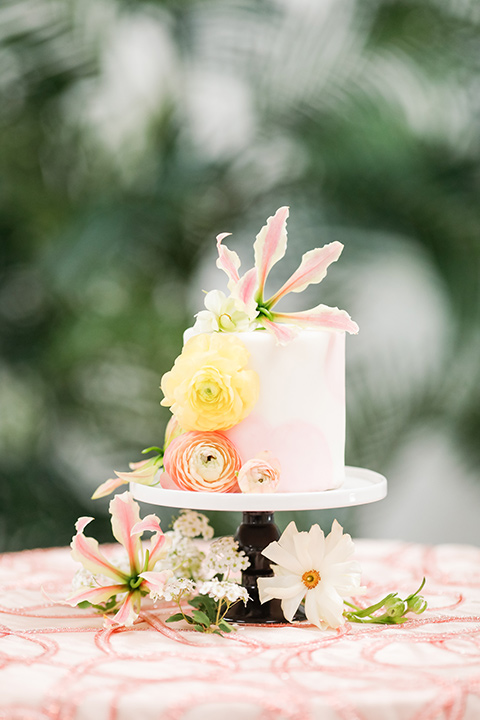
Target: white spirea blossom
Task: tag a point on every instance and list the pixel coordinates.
(176, 588)
(192, 524)
(185, 558)
(222, 590)
(85, 579)
(225, 558)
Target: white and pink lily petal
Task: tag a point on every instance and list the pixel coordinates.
(143, 472)
(96, 595)
(125, 520)
(228, 261)
(85, 550)
(321, 316)
(159, 543)
(312, 270)
(127, 613)
(269, 247)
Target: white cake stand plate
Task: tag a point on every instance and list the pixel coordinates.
(361, 486)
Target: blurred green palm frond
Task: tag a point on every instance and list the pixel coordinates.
(131, 133)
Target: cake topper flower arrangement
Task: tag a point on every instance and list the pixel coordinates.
(246, 308)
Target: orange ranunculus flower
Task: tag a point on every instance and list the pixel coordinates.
(210, 387)
(203, 462)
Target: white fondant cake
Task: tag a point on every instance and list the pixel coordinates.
(300, 413)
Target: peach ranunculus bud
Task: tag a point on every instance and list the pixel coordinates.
(203, 462)
(261, 474)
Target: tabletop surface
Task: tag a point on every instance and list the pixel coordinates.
(60, 663)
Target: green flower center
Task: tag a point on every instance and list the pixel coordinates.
(209, 392)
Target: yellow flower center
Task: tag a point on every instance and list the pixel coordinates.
(311, 578)
(209, 392)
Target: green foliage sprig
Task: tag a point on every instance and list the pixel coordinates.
(394, 609)
(208, 615)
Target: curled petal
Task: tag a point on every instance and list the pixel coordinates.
(125, 514)
(270, 246)
(142, 475)
(245, 291)
(127, 613)
(312, 270)
(149, 523)
(282, 333)
(155, 581)
(95, 595)
(159, 545)
(228, 261)
(320, 316)
(85, 551)
(108, 487)
(82, 523)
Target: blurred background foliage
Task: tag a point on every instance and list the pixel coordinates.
(131, 133)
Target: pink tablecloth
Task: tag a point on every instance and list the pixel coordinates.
(60, 663)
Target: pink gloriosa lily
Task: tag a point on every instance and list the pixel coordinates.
(270, 247)
(125, 592)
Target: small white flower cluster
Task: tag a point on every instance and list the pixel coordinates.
(184, 558)
(84, 579)
(191, 524)
(225, 558)
(223, 590)
(194, 571)
(176, 588)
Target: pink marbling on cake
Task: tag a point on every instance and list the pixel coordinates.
(300, 413)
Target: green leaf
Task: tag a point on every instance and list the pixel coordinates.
(223, 625)
(205, 603)
(201, 617)
(175, 618)
(199, 628)
(85, 604)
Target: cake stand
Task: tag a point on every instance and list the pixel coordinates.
(258, 529)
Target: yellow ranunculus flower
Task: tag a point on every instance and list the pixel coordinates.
(209, 387)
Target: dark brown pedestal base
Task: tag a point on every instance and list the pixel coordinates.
(256, 531)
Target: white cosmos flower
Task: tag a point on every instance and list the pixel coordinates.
(222, 314)
(317, 568)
